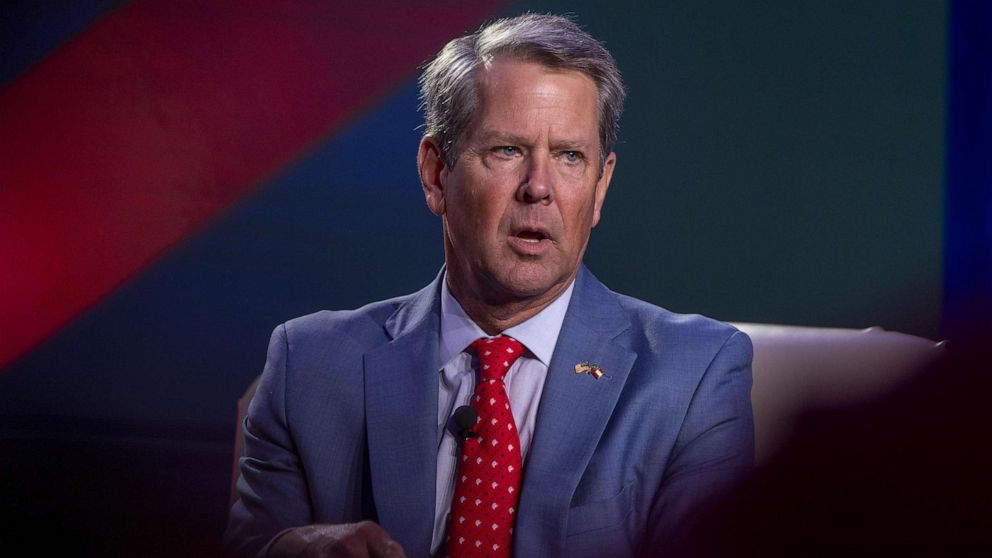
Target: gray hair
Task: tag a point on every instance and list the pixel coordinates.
(449, 89)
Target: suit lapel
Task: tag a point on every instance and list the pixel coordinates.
(401, 383)
(573, 414)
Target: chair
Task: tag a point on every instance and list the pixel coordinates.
(795, 368)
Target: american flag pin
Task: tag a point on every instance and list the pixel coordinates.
(590, 368)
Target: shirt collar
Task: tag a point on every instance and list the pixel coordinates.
(539, 333)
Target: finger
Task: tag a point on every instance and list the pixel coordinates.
(379, 543)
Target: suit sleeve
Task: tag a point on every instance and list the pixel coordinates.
(714, 448)
(272, 490)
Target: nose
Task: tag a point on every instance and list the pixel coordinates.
(538, 183)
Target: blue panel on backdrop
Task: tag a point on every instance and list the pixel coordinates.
(345, 225)
(968, 251)
(29, 30)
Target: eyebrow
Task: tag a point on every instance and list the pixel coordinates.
(496, 136)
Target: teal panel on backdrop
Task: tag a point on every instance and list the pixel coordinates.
(778, 161)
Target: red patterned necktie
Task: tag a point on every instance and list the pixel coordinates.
(487, 484)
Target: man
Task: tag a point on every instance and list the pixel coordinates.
(620, 417)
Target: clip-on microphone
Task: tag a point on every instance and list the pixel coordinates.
(465, 418)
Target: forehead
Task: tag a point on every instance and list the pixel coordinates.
(524, 97)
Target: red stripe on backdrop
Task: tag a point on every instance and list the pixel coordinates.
(165, 112)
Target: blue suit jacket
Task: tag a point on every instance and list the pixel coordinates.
(343, 426)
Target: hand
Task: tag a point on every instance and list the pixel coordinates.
(347, 540)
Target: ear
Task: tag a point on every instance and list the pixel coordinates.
(602, 185)
(431, 168)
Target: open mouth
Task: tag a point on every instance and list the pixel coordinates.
(531, 236)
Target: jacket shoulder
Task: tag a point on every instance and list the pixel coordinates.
(333, 328)
(654, 324)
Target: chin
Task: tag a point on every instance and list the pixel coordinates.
(531, 283)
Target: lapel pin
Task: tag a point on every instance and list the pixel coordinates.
(590, 368)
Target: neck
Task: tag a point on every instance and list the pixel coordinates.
(497, 315)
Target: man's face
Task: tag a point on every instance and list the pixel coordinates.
(526, 190)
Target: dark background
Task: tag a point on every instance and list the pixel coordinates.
(813, 163)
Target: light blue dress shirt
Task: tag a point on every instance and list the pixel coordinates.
(524, 384)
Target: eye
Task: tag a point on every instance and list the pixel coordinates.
(572, 156)
(507, 150)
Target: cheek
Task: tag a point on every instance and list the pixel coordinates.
(580, 208)
(482, 197)
(488, 204)
(472, 214)
(580, 219)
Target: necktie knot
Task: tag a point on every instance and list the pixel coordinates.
(496, 355)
